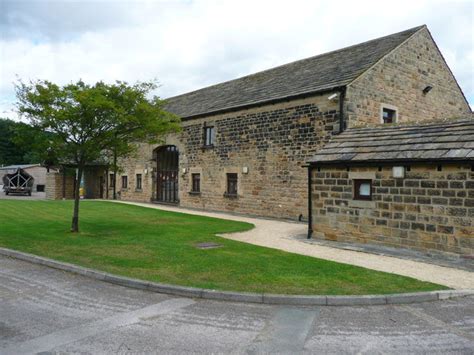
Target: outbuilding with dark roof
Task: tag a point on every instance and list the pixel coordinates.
(404, 186)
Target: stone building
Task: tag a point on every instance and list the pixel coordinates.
(244, 142)
(405, 186)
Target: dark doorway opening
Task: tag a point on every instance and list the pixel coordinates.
(167, 170)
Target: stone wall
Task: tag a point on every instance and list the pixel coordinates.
(428, 210)
(54, 186)
(140, 162)
(399, 79)
(272, 142)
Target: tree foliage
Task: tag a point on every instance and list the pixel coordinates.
(86, 122)
(19, 143)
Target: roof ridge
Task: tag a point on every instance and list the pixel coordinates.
(413, 29)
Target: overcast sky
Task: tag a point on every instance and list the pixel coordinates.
(187, 45)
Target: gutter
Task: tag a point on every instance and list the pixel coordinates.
(384, 162)
(342, 96)
(310, 203)
(276, 100)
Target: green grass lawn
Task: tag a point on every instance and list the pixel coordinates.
(159, 246)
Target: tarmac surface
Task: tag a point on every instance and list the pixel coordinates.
(43, 310)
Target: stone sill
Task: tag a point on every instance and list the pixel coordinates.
(233, 196)
(204, 147)
(194, 193)
(138, 190)
(362, 204)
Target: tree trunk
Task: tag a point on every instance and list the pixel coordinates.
(77, 198)
(115, 174)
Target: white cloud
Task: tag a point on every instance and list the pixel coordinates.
(188, 45)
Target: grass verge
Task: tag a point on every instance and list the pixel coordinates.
(159, 246)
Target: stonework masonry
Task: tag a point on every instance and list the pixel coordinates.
(428, 210)
(399, 79)
(272, 142)
(54, 186)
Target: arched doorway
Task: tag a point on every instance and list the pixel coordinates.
(167, 171)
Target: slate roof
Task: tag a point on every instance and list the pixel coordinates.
(429, 142)
(315, 74)
(21, 166)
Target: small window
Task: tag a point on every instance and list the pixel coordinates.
(139, 182)
(196, 178)
(124, 182)
(209, 136)
(40, 188)
(389, 115)
(232, 184)
(112, 180)
(363, 189)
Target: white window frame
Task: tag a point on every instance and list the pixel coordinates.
(390, 107)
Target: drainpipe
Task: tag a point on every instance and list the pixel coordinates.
(310, 203)
(342, 96)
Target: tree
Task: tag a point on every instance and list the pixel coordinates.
(87, 122)
(18, 143)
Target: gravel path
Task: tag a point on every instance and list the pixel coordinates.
(277, 235)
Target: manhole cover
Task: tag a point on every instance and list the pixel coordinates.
(208, 245)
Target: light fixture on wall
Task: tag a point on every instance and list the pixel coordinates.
(398, 172)
(427, 89)
(245, 170)
(184, 170)
(332, 97)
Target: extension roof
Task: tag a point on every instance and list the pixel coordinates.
(445, 141)
(315, 74)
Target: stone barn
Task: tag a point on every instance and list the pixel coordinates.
(244, 142)
(245, 145)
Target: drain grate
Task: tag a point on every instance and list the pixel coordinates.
(208, 245)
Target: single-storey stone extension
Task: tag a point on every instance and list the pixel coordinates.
(245, 142)
(406, 186)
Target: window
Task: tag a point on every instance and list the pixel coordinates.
(124, 182)
(139, 182)
(196, 179)
(232, 184)
(209, 136)
(362, 189)
(112, 180)
(389, 115)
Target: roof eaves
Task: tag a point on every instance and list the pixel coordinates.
(467, 160)
(265, 102)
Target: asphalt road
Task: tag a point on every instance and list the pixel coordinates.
(43, 310)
